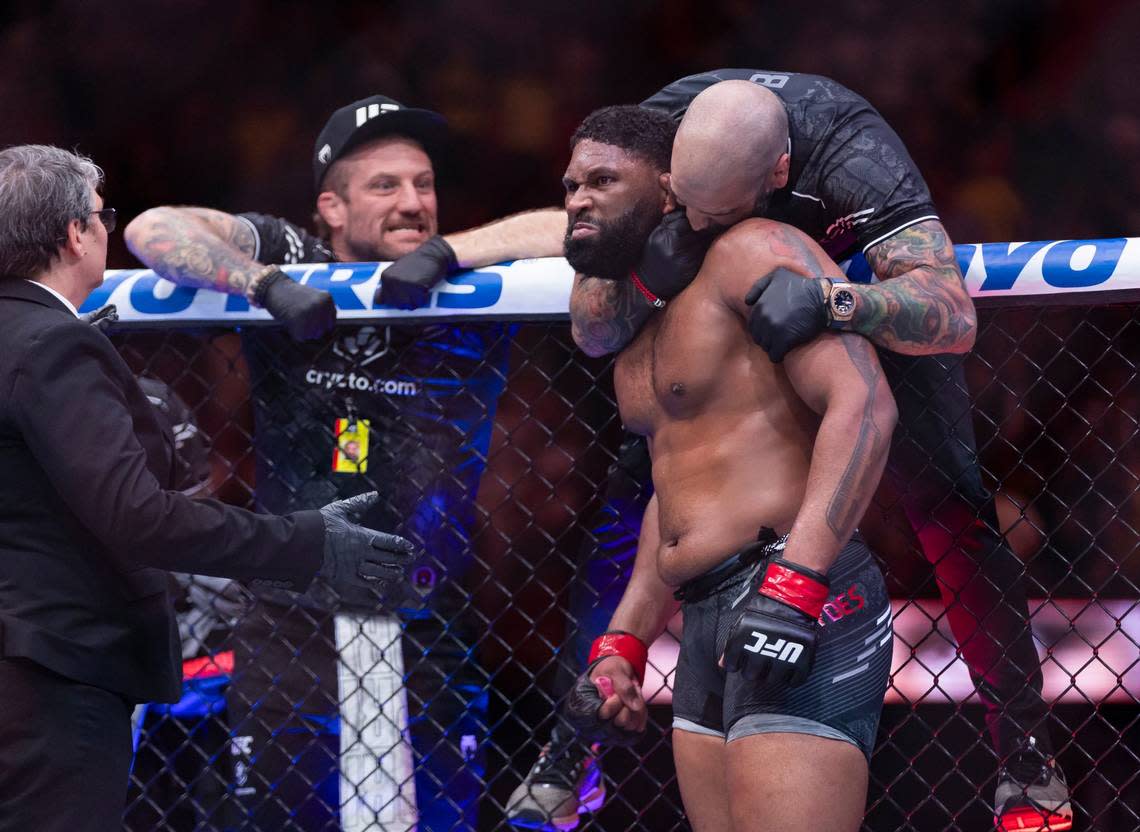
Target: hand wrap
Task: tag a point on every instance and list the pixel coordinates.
(585, 698)
(581, 713)
(621, 643)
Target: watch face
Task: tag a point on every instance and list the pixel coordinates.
(843, 303)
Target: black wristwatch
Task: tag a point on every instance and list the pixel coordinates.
(839, 298)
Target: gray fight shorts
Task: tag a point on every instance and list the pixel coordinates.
(841, 699)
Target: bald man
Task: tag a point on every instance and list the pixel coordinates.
(808, 152)
(706, 169)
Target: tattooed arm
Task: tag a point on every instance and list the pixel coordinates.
(197, 247)
(605, 314)
(201, 247)
(920, 305)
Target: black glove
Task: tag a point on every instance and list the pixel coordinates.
(359, 560)
(672, 256)
(774, 639)
(788, 309)
(581, 713)
(103, 317)
(306, 312)
(406, 284)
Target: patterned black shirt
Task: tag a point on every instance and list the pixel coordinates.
(427, 393)
(852, 183)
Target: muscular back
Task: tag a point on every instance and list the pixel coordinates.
(730, 433)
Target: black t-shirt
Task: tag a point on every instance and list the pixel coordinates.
(852, 183)
(417, 401)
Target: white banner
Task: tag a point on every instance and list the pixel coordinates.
(1057, 271)
(524, 289)
(1054, 271)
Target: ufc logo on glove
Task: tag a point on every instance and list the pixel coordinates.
(781, 649)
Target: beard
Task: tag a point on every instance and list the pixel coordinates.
(369, 252)
(364, 250)
(614, 250)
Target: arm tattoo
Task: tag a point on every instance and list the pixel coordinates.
(205, 249)
(788, 243)
(863, 468)
(921, 306)
(605, 314)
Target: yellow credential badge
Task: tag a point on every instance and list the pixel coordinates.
(350, 456)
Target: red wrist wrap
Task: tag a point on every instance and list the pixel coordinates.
(654, 301)
(794, 589)
(617, 643)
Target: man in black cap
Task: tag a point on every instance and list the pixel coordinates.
(418, 403)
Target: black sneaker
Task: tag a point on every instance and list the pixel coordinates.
(558, 788)
(1032, 795)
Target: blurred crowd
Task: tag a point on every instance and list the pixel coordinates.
(1024, 116)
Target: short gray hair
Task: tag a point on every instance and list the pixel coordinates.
(42, 189)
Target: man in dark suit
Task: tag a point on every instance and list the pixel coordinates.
(88, 517)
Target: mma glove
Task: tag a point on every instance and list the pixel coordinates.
(774, 638)
(407, 283)
(306, 312)
(587, 695)
(102, 318)
(788, 309)
(670, 259)
(357, 561)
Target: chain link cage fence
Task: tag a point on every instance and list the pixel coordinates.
(490, 446)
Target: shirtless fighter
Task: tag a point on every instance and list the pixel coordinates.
(761, 472)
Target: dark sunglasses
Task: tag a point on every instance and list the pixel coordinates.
(108, 218)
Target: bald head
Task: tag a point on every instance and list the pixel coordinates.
(729, 146)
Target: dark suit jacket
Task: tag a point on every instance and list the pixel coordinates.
(87, 524)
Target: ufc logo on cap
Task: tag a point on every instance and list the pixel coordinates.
(364, 114)
(780, 649)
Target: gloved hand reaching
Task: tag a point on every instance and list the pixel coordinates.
(359, 560)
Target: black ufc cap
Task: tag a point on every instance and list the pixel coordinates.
(370, 118)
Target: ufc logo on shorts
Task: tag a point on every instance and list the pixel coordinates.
(780, 649)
